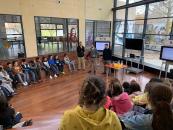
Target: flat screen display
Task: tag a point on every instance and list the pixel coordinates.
(100, 45)
(166, 53)
(134, 44)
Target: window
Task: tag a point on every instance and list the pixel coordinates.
(155, 27)
(56, 35)
(137, 12)
(11, 37)
(135, 26)
(121, 2)
(96, 29)
(103, 28)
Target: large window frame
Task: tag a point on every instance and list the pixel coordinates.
(60, 43)
(144, 34)
(12, 41)
(96, 31)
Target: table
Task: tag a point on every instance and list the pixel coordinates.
(115, 67)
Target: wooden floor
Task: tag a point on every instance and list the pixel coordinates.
(53, 97)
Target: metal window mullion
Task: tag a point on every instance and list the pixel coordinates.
(125, 29)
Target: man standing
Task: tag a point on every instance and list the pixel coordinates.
(93, 55)
(80, 55)
(107, 57)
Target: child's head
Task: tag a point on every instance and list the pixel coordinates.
(23, 61)
(65, 54)
(134, 87)
(56, 56)
(92, 92)
(1, 68)
(15, 63)
(126, 85)
(9, 64)
(115, 88)
(160, 96)
(44, 59)
(50, 57)
(0, 82)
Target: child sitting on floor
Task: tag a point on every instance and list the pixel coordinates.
(121, 102)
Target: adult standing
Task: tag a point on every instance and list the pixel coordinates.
(107, 57)
(94, 55)
(80, 55)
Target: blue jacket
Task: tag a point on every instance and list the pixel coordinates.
(137, 121)
(51, 61)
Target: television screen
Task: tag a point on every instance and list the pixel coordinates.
(166, 53)
(100, 45)
(134, 44)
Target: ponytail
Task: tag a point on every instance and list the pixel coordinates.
(162, 116)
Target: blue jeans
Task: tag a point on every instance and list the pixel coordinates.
(18, 117)
(33, 78)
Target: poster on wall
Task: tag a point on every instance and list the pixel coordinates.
(89, 39)
(73, 33)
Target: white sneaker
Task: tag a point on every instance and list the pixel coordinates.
(55, 76)
(24, 84)
(50, 77)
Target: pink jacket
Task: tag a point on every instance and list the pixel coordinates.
(122, 103)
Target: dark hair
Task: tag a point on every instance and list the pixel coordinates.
(8, 63)
(23, 60)
(134, 87)
(115, 88)
(126, 86)
(92, 91)
(3, 104)
(37, 58)
(1, 68)
(65, 54)
(160, 96)
(0, 82)
(156, 80)
(14, 62)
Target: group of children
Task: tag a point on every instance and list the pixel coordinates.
(122, 106)
(29, 72)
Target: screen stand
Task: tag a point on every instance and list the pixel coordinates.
(166, 69)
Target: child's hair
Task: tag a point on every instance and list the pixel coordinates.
(23, 60)
(134, 87)
(8, 63)
(115, 88)
(92, 91)
(126, 85)
(156, 80)
(0, 82)
(37, 59)
(65, 54)
(160, 96)
(3, 104)
(14, 62)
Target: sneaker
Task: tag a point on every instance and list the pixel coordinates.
(55, 76)
(63, 72)
(50, 77)
(26, 83)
